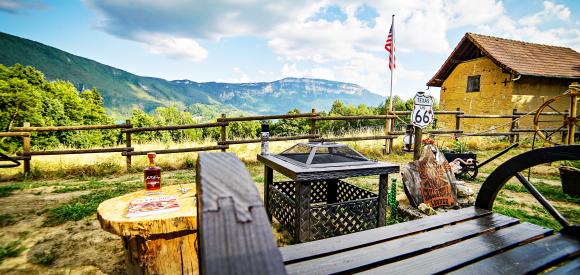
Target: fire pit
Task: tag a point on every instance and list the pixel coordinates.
(317, 203)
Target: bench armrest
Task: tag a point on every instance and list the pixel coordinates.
(234, 233)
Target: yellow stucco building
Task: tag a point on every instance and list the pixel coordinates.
(490, 75)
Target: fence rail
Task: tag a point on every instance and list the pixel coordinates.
(223, 142)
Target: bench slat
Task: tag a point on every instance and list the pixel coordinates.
(401, 248)
(235, 236)
(448, 258)
(572, 267)
(310, 250)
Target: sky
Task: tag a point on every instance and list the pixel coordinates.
(263, 40)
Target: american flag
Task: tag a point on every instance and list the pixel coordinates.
(390, 47)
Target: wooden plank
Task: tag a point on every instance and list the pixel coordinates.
(359, 259)
(14, 134)
(172, 151)
(354, 138)
(258, 140)
(250, 118)
(457, 255)
(235, 236)
(305, 251)
(572, 267)
(530, 258)
(69, 128)
(174, 127)
(79, 151)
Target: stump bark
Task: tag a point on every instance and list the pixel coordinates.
(156, 244)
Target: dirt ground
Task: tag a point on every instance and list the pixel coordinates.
(82, 247)
(78, 247)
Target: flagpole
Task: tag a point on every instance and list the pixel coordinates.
(389, 142)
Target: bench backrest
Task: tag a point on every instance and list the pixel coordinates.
(234, 233)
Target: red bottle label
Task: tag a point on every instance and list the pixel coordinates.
(152, 180)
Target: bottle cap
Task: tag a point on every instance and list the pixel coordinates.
(265, 127)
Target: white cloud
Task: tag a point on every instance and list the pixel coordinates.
(291, 70)
(551, 11)
(17, 6)
(171, 46)
(344, 51)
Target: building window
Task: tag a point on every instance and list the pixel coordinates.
(473, 83)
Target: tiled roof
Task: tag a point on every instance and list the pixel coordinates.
(517, 57)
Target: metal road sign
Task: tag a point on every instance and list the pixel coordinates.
(422, 114)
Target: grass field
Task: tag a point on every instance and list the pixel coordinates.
(48, 222)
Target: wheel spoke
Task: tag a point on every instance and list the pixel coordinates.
(561, 220)
(555, 109)
(555, 131)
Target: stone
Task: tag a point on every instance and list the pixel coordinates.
(464, 191)
(426, 209)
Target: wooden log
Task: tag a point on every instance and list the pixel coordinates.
(353, 117)
(457, 122)
(67, 128)
(172, 151)
(223, 133)
(14, 134)
(174, 127)
(257, 140)
(354, 138)
(26, 151)
(488, 116)
(128, 145)
(156, 244)
(250, 118)
(313, 124)
(73, 152)
(417, 146)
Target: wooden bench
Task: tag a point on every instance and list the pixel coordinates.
(235, 236)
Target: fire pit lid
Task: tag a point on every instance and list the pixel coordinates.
(325, 154)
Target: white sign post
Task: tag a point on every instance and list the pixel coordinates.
(422, 114)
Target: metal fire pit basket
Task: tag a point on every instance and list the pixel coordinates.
(311, 155)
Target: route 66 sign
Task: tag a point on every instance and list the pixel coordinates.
(422, 114)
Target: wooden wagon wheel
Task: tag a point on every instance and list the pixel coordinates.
(569, 122)
(513, 167)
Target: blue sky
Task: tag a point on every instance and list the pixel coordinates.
(262, 40)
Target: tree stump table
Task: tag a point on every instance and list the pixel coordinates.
(156, 244)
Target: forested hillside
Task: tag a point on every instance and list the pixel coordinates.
(123, 91)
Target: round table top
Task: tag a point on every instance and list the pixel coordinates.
(111, 214)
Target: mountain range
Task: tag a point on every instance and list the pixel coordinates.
(123, 91)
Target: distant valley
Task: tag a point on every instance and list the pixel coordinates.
(122, 91)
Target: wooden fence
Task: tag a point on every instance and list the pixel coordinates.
(223, 142)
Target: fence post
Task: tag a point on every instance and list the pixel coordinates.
(457, 122)
(313, 123)
(128, 144)
(223, 131)
(390, 140)
(513, 126)
(417, 145)
(565, 134)
(26, 151)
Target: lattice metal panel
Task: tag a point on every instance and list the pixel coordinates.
(355, 211)
(343, 218)
(349, 192)
(282, 208)
(318, 191)
(286, 187)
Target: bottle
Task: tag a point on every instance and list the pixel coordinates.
(152, 174)
(265, 139)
